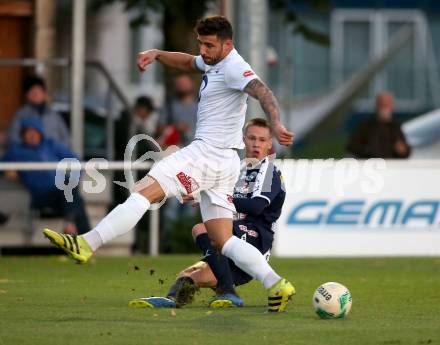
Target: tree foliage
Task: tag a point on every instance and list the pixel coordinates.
(186, 12)
(183, 10)
(299, 25)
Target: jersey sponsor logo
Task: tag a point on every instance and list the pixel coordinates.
(240, 216)
(187, 182)
(248, 73)
(241, 193)
(245, 229)
(379, 213)
(251, 177)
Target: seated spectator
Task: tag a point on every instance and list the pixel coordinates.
(36, 147)
(36, 107)
(380, 137)
(145, 117)
(146, 121)
(3, 218)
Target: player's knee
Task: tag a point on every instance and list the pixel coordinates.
(197, 230)
(150, 189)
(219, 241)
(184, 273)
(217, 245)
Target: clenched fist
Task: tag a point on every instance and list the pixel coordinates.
(146, 58)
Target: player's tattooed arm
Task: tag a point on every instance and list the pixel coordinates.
(269, 103)
(265, 96)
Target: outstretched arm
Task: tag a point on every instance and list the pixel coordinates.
(269, 103)
(181, 61)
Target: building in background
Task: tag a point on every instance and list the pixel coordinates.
(359, 32)
(15, 42)
(295, 67)
(111, 41)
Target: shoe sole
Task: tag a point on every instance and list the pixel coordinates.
(140, 304)
(54, 239)
(221, 303)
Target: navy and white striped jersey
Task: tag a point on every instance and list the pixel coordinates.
(264, 181)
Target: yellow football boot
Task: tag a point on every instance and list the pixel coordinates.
(279, 295)
(75, 246)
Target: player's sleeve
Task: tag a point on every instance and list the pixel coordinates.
(268, 183)
(250, 206)
(238, 75)
(199, 63)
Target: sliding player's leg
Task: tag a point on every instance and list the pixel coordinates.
(218, 263)
(218, 223)
(182, 292)
(199, 275)
(183, 289)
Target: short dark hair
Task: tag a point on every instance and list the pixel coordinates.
(259, 122)
(215, 25)
(31, 81)
(144, 102)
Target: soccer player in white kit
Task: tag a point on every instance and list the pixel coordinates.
(209, 166)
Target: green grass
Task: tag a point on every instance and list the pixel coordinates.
(53, 301)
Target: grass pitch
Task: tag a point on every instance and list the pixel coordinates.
(50, 300)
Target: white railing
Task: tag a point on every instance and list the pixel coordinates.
(111, 166)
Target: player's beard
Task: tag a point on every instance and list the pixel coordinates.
(215, 60)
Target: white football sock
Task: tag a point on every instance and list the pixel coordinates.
(250, 260)
(119, 221)
(93, 239)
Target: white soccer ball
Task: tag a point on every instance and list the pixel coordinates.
(332, 301)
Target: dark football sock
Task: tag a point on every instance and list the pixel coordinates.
(218, 263)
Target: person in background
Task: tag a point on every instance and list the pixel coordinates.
(182, 110)
(145, 119)
(35, 146)
(381, 137)
(3, 218)
(37, 107)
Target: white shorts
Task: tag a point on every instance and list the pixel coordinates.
(208, 173)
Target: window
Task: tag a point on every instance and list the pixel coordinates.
(303, 65)
(361, 35)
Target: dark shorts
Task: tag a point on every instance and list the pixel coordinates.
(246, 232)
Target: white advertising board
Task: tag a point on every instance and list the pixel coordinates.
(359, 208)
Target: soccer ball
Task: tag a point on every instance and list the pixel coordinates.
(332, 301)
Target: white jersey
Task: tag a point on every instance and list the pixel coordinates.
(222, 102)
